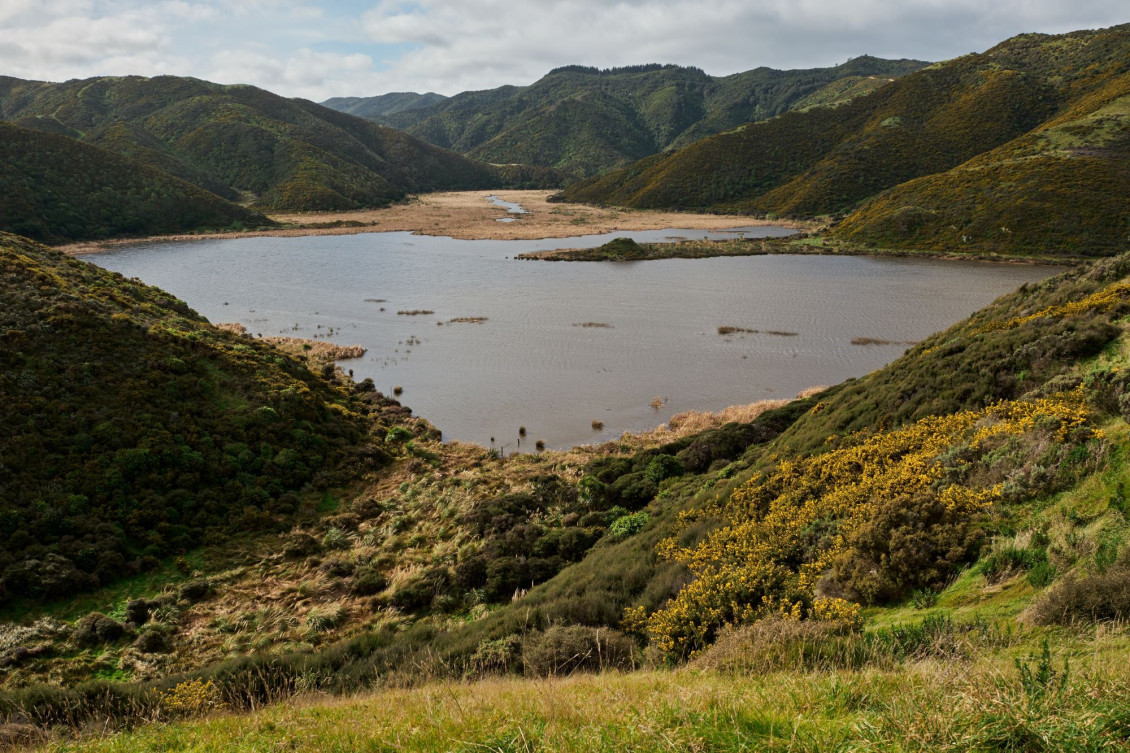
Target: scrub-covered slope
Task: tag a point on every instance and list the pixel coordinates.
(54, 189)
(1018, 149)
(131, 429)
(245, 143)
(584, 121)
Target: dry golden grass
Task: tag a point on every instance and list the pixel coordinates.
(929, 705)
(317, 350)
(692, 422)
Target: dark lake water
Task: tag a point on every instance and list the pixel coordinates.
(530, 363)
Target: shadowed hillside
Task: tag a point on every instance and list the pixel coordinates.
(133, 430)
(244, 143)
(1002, 143)
(374, 108)
(55, 189)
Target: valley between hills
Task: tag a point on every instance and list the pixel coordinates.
(466, 215)
(216, 541)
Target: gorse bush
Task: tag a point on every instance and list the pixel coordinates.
(191, 698)
(873, 519)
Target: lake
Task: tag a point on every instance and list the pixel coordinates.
(531, 362)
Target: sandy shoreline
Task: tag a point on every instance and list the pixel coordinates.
(467, 215)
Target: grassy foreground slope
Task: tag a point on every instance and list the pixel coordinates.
(55, 189)
(245, 143)
(584, 121)
(925, 706)
(988, 150)
(133, 430)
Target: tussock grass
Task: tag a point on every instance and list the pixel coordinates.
(937, 705)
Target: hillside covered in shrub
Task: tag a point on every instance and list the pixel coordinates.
(55, 189)
(585, 121)
(1020, 149)
(131, 430)
(243, 143)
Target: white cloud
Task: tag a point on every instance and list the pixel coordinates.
(317, 48)
(463, 44)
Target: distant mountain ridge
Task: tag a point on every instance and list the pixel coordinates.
(385, 104)
(586, 120)
(1024, 148)
(247, 144)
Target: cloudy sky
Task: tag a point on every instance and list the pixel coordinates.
(318, 49)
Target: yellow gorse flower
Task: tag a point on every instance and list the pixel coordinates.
(760, 561)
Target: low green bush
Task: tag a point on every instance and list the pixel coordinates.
(563, 650)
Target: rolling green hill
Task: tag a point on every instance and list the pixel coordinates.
(985, 152)
(133, 430)
(585, 121)
(246, 143)
(55, 189)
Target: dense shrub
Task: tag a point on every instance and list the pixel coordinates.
(153, 641)
(563, 650)
(195, 590)
(137, 611)
(96, 629)
(369, 581)
(299, 544)
(1086, 599)
(912, 541)
(663, 467)
(628, 525)
(633, 490)
(421, 590)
